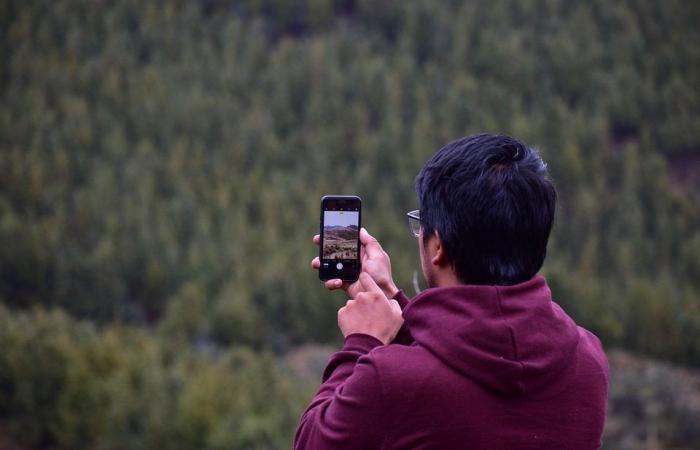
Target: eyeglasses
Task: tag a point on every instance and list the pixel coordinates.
(414, 222)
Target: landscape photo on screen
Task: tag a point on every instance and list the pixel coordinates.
(340, 230)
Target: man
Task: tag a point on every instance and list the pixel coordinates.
(483, 359)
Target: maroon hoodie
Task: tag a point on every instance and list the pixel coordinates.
(491, 367)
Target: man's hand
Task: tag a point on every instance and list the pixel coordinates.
(375, 262)
(370, 312)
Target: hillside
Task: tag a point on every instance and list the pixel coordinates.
(161, 165)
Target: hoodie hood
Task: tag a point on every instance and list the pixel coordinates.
(511, 339)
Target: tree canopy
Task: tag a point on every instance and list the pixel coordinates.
(162, 162)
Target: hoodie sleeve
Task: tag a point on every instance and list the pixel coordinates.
(403, 337)
(401, 298)
(348, 410)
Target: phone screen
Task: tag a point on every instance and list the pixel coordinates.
(340, 237)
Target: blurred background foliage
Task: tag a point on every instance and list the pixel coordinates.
(161, 165)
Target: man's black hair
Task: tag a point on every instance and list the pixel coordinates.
(490, 199)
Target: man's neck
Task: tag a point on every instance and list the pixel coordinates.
(446, 278)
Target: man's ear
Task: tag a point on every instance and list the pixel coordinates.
(438, 251)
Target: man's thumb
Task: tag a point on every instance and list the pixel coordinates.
(367, 238)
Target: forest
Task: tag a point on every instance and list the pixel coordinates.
(162, 163)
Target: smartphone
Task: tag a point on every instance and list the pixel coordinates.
(339, 251)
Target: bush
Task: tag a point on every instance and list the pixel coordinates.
(65, 384)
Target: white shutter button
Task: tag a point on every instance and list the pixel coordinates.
(339, 266)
